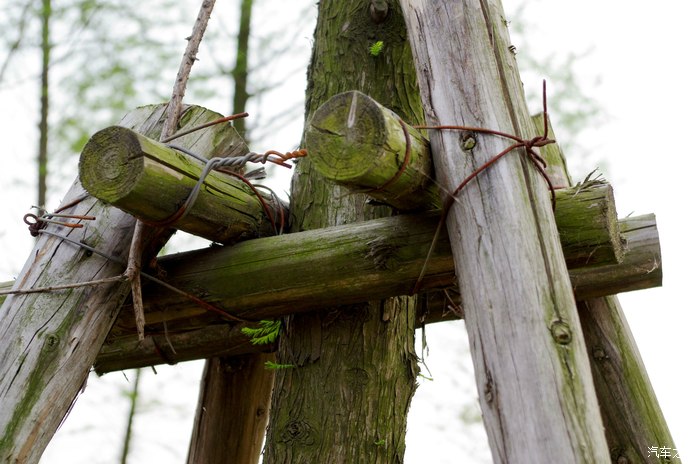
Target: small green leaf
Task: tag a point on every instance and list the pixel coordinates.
(376, 48)
(266, 332)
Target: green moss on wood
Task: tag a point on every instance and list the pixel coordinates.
(151, 181)
(356, 142)
(587, 223)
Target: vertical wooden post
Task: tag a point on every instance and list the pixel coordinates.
(234, 403)
(534, 380)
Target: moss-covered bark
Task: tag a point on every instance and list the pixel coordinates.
(347, 397)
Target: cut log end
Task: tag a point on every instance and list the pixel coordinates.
(119, 149)
(348, 124)
(355, 141)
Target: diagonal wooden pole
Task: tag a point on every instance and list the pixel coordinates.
(631, 412)
(50, 340)
(535, 385)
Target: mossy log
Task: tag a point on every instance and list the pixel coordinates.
(356, 142)
(591, 235)
(315, 269)
(50, 340)
(631, 413)
(151, 181)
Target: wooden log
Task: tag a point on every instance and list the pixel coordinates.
(629, 407)
(594, 228)
(234, 404)
(640, 269)
(631, 412)
(315, 269)
(356, 142)
(535, 385)
(51, 340)
(151, 181)
(640, 266)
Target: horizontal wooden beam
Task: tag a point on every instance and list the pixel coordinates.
(275, 276)
(354, 141)
(151, 181)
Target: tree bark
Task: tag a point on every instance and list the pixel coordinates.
(240, 70)
(43, 157)
(346, 398)
(535, 384)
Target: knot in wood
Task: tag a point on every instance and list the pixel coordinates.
(356, 378)
(298, 432)
(381, 253)
(51, 342)
(599, 354)
(561, 332)
(467, 141)
(378, 11)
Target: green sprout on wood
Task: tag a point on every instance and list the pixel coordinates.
(266, 332)
(376, 48)
(274, 365)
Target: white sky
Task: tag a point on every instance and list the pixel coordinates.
(644, 53)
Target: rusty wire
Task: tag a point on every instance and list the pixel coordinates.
(114, 259)
(216, 164)
(529, 145)
(36, 222)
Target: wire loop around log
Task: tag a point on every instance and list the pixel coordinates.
(528, 145)
(230, 162)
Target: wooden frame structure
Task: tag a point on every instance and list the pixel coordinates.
(554, 338)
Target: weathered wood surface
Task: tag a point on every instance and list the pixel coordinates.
(631, 412)
(234, 404)
(51, 340)
(322, 268)
(535, 384)
(150, 181)
(593, 228)
(640, 265)
(356, 142)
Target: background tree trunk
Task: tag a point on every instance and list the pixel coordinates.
(42, 158)
(354, 369)
(133, 396)
(240, 70)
